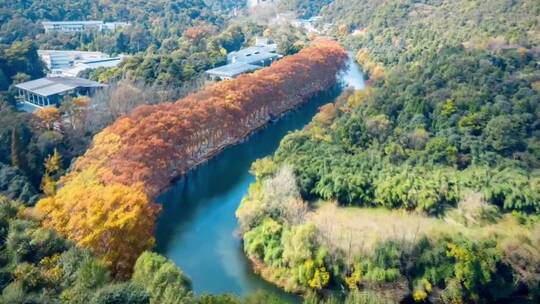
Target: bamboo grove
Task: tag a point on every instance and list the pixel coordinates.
(105, 202)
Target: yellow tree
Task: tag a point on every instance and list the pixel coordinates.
(76, 110)
(48, 117)
(114, 221)
(53, 165)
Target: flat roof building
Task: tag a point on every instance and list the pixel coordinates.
(246, 60)
(79, 26)
(50, 91)
(71, 26)
(70, 63)
(232, 70)
(255, 54)
(60, 59)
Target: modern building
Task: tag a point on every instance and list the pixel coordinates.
(231, 71)
(71, 63)
(80, 26)
(246, 60)
(91, 64)
(66, 59)
(50, 91)
(258, 55)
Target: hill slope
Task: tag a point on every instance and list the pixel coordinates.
(447, 137)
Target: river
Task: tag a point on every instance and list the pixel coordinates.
(196, 228)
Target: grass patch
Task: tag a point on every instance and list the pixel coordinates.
(355, 230)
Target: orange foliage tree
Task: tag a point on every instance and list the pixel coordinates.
(114, 220)
(149, 147)
(196, 33)
(48, 117)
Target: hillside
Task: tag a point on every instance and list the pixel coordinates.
(425, 186)
(140, 154)
(405, 30)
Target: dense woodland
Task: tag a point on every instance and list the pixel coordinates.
(138, 156)
(28, 140)
(179, 44)
(39, 266)
(152, 22)
(425, 186)
(178, 63)
(304, 8)
(168, 48)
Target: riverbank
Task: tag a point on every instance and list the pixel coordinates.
(134, 159)
(197, 227)
(417, 207)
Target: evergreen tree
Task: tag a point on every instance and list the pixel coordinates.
(16, 150)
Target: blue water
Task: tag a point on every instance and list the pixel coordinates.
(197, 226)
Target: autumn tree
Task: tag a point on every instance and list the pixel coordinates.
(76, 111)
(114, 221)
(105, 202)
(48, 117)
(53, 166)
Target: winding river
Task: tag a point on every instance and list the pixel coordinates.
(197, 226)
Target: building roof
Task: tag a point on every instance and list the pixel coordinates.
(257, 58)
(261, 51)
(70, 63)
(55, 85)
(80, 66)
(102, 63)
(233, 69)
(247, 60)
(73, 54)
(89, 22)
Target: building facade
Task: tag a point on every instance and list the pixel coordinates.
(71, 63)
(80, 26)
(51, 91)
(246, 60)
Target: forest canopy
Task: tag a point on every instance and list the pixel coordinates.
(425, 186)
(138, 155)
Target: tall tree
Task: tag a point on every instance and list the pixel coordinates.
(53, 166)
(17, 156)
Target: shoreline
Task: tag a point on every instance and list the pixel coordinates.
(271, 119)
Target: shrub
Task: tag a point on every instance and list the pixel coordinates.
(121, 293)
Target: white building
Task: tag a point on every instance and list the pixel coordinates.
(79, 26)
(70, 63)
(246, 60)
(50, 91)
(91, 64)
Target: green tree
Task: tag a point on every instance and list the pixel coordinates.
(505, 133)
(120, 294)
(17, 158)
(164, 282)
